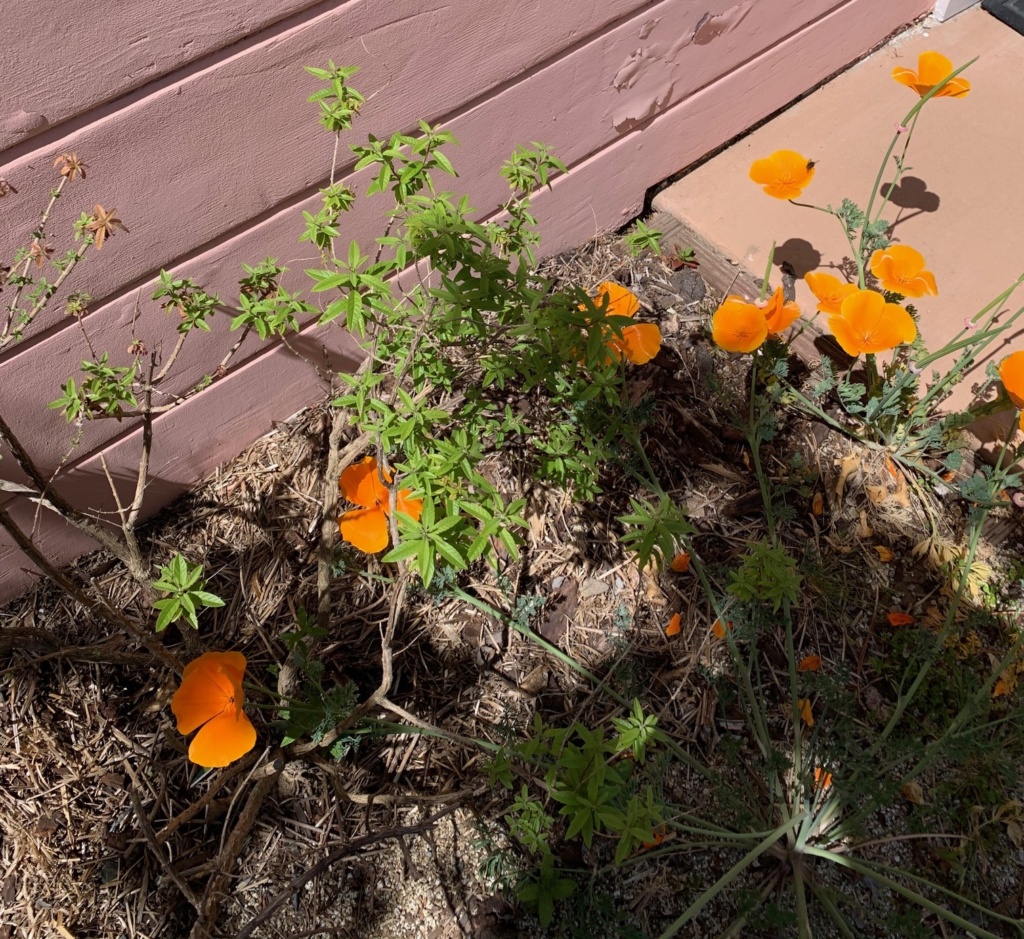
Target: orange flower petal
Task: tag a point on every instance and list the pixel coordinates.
(675, 625)
(208, 685)
(809, 663)
(900, 268)
(783, 175)
(806, 715)
(867, 324)
(224, 739)
(932, 68)
(900, 619)
(830, 291)
(885, 555)
(778, 314)
(822, 780)
(719, 630)
(620, 300)
(1011, 374)
(361, 485)
(738, 326)
(681, 562)
(411, 507)
(639, 343)
(366, 529)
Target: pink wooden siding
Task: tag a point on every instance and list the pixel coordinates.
(208, 150)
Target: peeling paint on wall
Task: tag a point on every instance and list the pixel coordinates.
(711, 26)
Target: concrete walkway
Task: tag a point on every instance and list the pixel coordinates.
(961, 204)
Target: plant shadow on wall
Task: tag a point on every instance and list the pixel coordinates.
(800, 673)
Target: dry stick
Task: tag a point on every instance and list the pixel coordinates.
(150, 837)
(206, 798)
(336, 855)
(51, 499)
(38, 236)
(99, 603)
(215, 887)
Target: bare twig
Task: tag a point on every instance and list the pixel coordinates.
(217, 884)
(150, 838)
(357, 844)
(98, 603)
(51, 499)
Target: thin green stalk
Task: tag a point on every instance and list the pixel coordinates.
(803, 922)
(873, 871)
(821, 895)
(738, 868)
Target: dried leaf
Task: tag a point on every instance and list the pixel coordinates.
(913, 792)
(877, 494)
(847, 465)
(900, 619)
(864, 530)
(817, 505)
(535, 682)
(681, 562)
(562, 606)
(1015, 833)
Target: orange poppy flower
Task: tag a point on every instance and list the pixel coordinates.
(639, 342)
(830, 291)
(1011, 374)
(900, 268)
(211, 698)
(822, 779)
(681, 562)
(806, 715)
(784, 174)
(675, 625)
(809, 663)
(367, 527)
(900, 619)
(932, 67)
(867, 324)
(738, 326)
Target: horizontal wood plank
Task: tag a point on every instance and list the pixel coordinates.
(68, 59)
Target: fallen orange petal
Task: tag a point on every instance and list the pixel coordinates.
(817, 504)
(809, 663)
(884, 554)
(675, 625)
(900, 619)
(681, 562)
(719, 630)
(806, 715)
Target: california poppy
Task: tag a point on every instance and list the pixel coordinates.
(211, 698)
(675, 625)
(830, 291)
(638, 342)
(809, 663)
(738, 326)
(784, 174)
(681, 562)
(900, 268)
(367, 527)
(1011, 374)
(900, 619)
(932, 68)
(867, 324)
